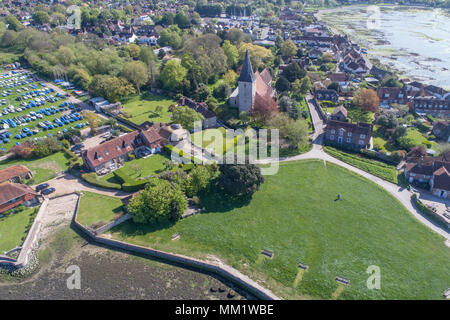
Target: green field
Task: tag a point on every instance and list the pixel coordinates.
(98, 209)
(11, 99)
(142, 108)
(296, 215)
(43, 169)
(13, 228)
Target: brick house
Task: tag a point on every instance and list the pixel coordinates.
(112, 154)
(432, 171)
(13, 195)
(429, 105)
(326, 94)
(210, 118)
(348, 135)
(15, 173)
(442, 130)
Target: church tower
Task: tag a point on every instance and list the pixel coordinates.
(247, 85)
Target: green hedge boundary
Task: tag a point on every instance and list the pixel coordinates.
(379, 169)
(91, 178)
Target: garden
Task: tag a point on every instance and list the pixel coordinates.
(89, 212)
(43, 169)
(14, 227)
(295, 215)
(147, 107)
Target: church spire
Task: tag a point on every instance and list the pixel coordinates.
(247, 74)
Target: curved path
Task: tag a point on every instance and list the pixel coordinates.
(317, 152)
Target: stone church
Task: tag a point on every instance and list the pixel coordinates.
(253, 88)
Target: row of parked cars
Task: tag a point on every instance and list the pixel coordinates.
(44, 189)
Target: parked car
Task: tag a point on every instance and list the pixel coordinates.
(48, 191)
(42, 187)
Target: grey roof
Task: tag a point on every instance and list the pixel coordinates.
(247, 74)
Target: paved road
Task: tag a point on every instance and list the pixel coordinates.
(402, 194)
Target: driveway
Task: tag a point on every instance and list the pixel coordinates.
(67, 183)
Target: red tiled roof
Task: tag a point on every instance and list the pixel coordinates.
(111, 149)
(9, 191)
(356, 128)
(12, 172)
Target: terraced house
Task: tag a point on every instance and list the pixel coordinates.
(111, 155)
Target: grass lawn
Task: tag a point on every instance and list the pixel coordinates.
(296, 216)
(98, 209)
(142, 108)
(207, 140)
(13, 228)
(43, 169)
(148, 166)
(304, 106)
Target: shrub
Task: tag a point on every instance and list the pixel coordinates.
(91, 178)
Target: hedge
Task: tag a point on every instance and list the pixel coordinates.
(91, 178)
(376, 168)
(129, 184)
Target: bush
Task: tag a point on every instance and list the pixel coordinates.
(91, 178)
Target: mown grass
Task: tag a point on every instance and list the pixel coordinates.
(377, 168)
(98, 209)
(296, 215)
(43, 169)
(13, 228)
(143, 108)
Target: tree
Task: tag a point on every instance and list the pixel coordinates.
(173, 75)
(230, 77)
(111, 88)
(13, 23)
(288, 48)
(391, 82)
(134, 50)
(284, 104)
(182, 20)
(387, 121)
(137, 73)
(282, 84)
(406, 142)
(244, 116)
(159, 201)
(41, 17)
(231, 52)
(295, 133)
(170, 37)
(186, 117)
(293, 72)
(367, 100)
(240, 180)
(399, 131)
(65, 55)
(259, 56)
(199, 180)
(222, 91)
(146, 55)
(202, 92)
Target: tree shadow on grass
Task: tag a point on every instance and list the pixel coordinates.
(132, 229)
(218, 201)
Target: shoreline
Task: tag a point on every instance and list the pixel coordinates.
(374, 58)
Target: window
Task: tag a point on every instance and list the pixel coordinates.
(348, 139)
(331, 137)
(107, 152)
(361, 142)
(333, 131)
(362, 136)
(349, 134)
(340, 139)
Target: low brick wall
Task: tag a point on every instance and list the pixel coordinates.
(221, 270)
